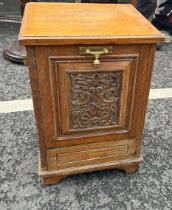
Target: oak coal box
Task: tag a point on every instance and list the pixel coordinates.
(90, 70)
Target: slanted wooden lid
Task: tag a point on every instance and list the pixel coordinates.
(76, 23)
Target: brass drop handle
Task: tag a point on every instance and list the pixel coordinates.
(96, 62)
(96, 51)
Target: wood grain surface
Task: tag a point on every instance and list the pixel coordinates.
(75, 23)
(91, 149)
(88, 118)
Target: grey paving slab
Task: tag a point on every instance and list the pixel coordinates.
(14, 78)
(162, 72)
(150, 188)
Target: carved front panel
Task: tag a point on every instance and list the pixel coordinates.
(89, 101)
(94, 99)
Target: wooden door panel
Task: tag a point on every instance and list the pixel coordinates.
(93, 99)
(89, 103)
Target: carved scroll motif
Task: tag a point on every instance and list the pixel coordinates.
(94, 99)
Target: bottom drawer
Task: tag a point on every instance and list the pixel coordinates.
(89, 154)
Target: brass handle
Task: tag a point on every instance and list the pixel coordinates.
(96, 51)
(96, 62)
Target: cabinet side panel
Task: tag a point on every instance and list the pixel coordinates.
(41, 53)
(31, 61)
(143, 80)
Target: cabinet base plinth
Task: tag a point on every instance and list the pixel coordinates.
(54, 176)
(131, 168)
(52, 179)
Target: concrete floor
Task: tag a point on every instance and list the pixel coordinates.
(21, 188)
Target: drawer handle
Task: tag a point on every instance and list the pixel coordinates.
(96, 51)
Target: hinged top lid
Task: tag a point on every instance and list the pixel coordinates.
(75, 23)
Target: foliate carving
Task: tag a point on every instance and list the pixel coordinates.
(94, 99)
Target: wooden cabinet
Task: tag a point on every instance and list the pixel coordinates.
(90, 82)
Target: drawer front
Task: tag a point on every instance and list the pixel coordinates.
(90, 154)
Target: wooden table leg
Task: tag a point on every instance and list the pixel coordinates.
(14, 52)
